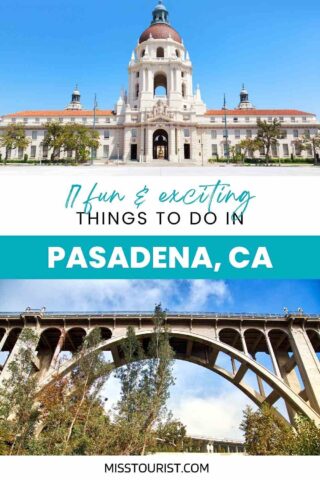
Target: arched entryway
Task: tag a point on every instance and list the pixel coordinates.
(160, 145)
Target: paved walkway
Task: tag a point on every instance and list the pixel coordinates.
(161, 169)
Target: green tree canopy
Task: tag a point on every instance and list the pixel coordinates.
(268, 135)
(13, 137)
(266, 433)
(81, 140)
(54, 138)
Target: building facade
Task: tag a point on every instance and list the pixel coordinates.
(161, 116)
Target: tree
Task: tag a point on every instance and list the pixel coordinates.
(311, 142)
(171, 436)
(81, 140)
(268, 135)
(145, 383)
(248, 146)
(69, 406)
(13, 137)
(18, 411)
(54, 138)
(266, 433)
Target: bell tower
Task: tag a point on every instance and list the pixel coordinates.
(160, 67)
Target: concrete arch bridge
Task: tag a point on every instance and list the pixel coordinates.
(270, 358)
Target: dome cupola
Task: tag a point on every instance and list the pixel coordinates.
(160, 14)
(245, 103)
(160, 28)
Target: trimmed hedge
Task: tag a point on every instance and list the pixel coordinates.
(260, 161)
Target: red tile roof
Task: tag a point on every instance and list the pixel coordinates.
(160, 31)
(60, 113)
(254, 112)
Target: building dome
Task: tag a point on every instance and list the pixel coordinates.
(160, 31)
(160, 28)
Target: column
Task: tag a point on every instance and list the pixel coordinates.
(4, 339)
(272, 355)
(58, 348)
(172, 145)
(290, 377)
(5, 371)
(244, 344)
(308, 364)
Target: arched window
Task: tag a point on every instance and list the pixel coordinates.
(160, 84)
(183, 90)
(137, 90)
(143, 53)
(160, 52)
(178, 53)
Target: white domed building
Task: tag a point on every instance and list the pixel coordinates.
(162, 117)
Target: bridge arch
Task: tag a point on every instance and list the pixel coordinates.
(203, 350)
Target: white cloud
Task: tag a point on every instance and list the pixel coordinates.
(214, 417)
(203, 291)
(102, 295)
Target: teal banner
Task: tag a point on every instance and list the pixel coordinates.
(225, 257)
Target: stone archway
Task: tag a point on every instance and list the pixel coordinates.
(203, 351)
(160, 145)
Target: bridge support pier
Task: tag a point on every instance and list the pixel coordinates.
(308, 364)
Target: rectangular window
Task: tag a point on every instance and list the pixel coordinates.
(309, 151)
(284, 133)
(34, 135)
(94, 153)
(225, 133)
(235, 120)
(84, 120)
(213, 133)
(45, 152)
(285, 148)
(307, 133)
(33, 151)
(214, 150)
(298, 150)
(212, 120)
(186, 132)
(37, 120)
(296, 133)
(247, 119)
(281, 119)
(108, 120)
(25, 120)
(304, 119)
(106, 151)
(61, 120)
(249, 134)
(20, 153)
(106, 134)
(134, 133)
(14, 120)
(269, 119)
(237, 133)
(274, 151)
(293, 120)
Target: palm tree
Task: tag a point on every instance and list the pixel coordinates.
(308, 141)
(268, 135)
(249, 145)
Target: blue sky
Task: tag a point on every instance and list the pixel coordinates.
(218, 404)
(46, 47)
